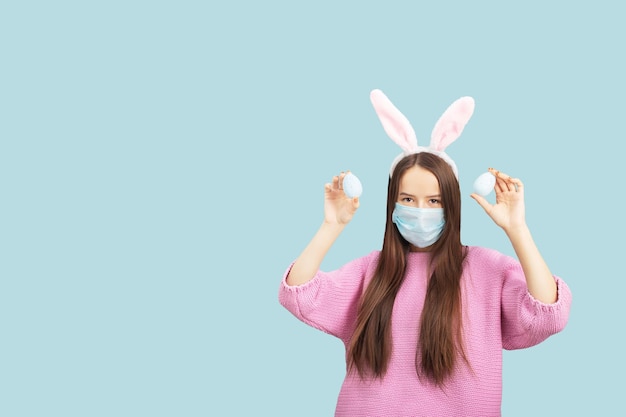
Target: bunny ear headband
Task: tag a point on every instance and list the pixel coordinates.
(447, 129)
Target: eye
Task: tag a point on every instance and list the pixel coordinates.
(406, 200)
(434, 202)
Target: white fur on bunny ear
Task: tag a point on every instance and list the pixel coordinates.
(451, 123)
(394, 122)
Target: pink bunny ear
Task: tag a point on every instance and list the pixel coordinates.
(394, 122)
(451, 123)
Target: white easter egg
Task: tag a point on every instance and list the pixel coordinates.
(484, 184)
(352, 186)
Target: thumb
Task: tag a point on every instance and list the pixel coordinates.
(481, 201)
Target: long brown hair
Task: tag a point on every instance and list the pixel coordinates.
(440, 341)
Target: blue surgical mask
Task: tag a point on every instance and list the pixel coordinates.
(419, 226)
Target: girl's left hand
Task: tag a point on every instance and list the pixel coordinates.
(508, 211)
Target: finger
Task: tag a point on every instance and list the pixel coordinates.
(501, 178)
(504, 182)
(499, 174)
(519, 186)
(355, 203)
(481, 201)
(335, 183)
(501, 185)
(512, 184)
(341, 177)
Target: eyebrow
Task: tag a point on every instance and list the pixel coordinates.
(428, 196)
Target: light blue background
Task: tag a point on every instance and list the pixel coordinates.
(162, 162)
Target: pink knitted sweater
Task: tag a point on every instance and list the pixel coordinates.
(498, 312)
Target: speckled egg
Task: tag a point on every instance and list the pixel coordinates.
(352, 186)
(484, 184)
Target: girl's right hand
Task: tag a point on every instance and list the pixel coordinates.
(338, 208)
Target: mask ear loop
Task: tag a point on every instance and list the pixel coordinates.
(447, 129)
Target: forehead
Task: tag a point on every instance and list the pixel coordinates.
(419, 181)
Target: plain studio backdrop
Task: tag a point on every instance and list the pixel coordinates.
(162, 163)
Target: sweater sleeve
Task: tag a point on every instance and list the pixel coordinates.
(328, 302)
(527, 321)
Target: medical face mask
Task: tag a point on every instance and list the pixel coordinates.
(419, 226)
